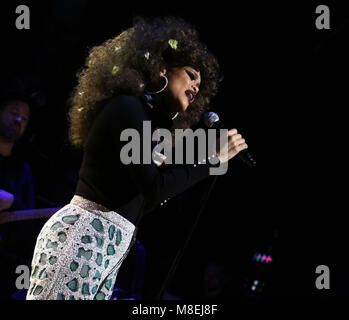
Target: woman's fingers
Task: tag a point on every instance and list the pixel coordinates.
(235, 137)
(236, 143)
(232, 132)
(241, 147)
(237, 149)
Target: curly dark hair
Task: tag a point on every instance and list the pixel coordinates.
(137, 56)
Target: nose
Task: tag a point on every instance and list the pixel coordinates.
(19, 121)
(195, 89)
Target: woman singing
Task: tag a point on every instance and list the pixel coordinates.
(156, 71)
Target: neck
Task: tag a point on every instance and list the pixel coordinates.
(6, 148)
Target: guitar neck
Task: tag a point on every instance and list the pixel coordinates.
(20, 215)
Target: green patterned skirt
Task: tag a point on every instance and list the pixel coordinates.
(78, 253)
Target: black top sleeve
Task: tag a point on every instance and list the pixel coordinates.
(155, 184)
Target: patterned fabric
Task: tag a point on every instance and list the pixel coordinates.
(78, 253)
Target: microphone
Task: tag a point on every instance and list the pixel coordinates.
(211, 120)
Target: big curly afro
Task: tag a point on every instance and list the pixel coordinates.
(132, 61)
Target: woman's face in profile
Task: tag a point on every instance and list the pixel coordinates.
(183, 86)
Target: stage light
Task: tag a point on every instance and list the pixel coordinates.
(263, 258)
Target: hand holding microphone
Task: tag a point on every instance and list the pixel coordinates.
(232, 147)
(236, 144)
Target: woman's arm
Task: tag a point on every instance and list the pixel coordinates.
(155, 184)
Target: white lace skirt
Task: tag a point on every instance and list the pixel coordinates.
(78, 253)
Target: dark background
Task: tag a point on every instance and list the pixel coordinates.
(284, 89)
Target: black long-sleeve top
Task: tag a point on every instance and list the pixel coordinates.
(135, 189)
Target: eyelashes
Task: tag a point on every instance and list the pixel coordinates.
(191, 75)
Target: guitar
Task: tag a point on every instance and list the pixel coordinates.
(11, 216)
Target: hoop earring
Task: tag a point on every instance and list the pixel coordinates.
(162, 88)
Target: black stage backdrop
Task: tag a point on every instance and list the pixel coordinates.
(284, 88)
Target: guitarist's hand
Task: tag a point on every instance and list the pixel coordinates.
(6, 199)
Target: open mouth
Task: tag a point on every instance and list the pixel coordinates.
(191, 95)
